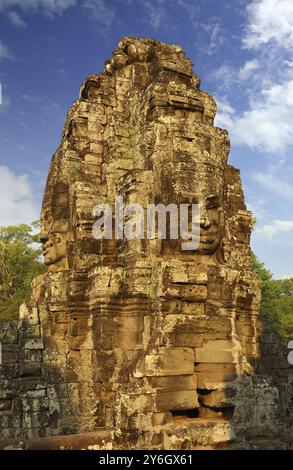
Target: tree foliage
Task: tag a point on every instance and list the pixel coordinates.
(277, 300)
(19, 264)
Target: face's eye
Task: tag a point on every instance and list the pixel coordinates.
(57, 239)
(212, 202)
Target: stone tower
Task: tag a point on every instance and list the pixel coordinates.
(154, 344)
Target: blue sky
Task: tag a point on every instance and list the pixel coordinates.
(242, 49)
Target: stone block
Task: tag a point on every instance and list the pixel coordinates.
(210, 375)
(167, 361)
(5, 405)
(174, 383)
(180, 400)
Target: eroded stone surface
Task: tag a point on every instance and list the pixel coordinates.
(136, 337)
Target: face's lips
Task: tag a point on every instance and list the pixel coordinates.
(47, 245)
(203, 238)
(46, 251)
(207, 240)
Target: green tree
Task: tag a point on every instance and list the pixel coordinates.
(269, 290)
(277, 300)
(19, 264)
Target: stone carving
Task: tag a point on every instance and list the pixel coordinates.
(55, 224)
(153, 344)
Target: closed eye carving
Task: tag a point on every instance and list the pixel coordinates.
(212, 202)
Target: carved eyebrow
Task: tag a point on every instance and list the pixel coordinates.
(213, 196)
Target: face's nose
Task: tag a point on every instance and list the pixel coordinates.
(43, 237)
(205, 222)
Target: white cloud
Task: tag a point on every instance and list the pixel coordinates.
(224, 108)
(215, 37)
(4, 99)
(192, 9)
(31, 99)
(275, 229)
(229, 76)
(226, 114)
(99, 11)
(5, 103)
(225, 75)
(269, 21)
(4, 52)
(16, 199)
(274, 185)
(288, 63)
(156, 12)
(248, 68)
(49, 7)
(16, 19)
(267, 124)
(256, 203)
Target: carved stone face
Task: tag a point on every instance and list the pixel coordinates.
(210, 219)
(55, 226)
(203, 186)
(54, 241)
(210, 222)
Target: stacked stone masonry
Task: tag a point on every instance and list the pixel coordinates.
(136, 339)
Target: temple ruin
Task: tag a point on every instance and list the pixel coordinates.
(136, 342)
